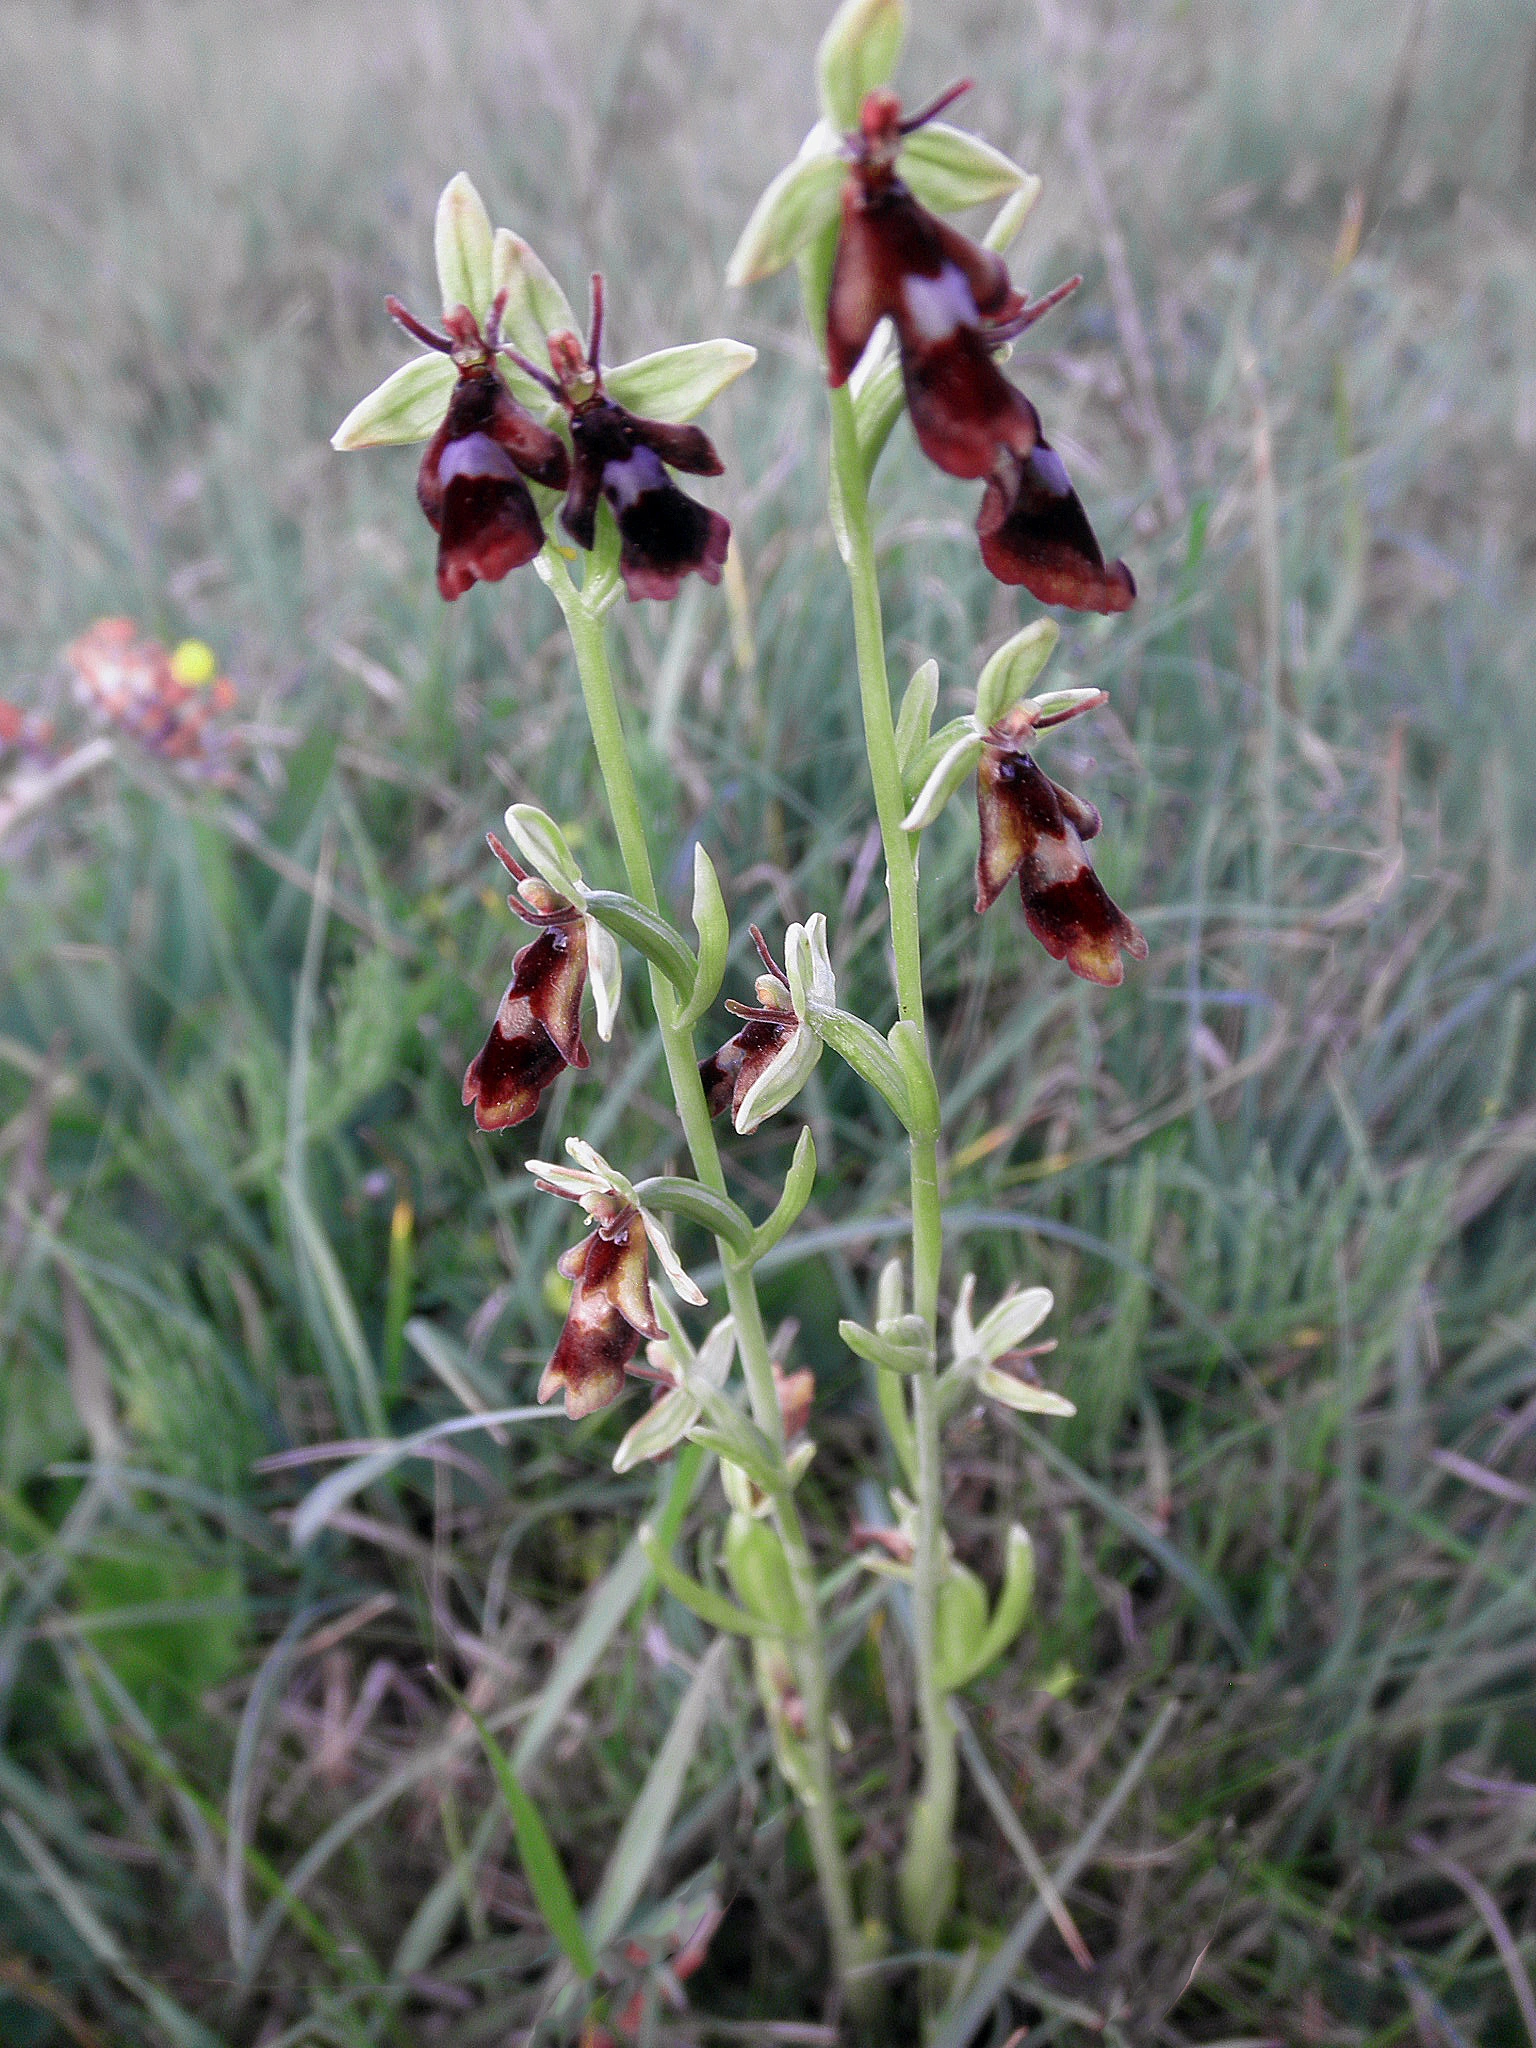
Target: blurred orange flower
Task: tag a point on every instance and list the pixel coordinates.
(164, 698)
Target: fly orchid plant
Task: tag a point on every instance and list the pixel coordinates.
(537, 452)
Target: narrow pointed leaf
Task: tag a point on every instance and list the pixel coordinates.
(917, 708)
(606, 1606)
(712, 923)
(340, 1306)
(342, 1485)
(645, 1830)
(537, 1853)
(907, 1042)
(1012, 1602)
(798, 1183)
(704, 1601)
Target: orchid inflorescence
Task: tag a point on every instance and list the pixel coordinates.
(538, 452)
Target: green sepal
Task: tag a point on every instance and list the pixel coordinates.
(932, 752)
(890, 1290)
(1022, 1396)
(408, 406)
(1010, 672)
(1017, 1316)
(536, 305)
(916, 717)
(800, 204)
(717, 1213)
(546, 850)
(903, 1346)
(675, 384)
(949, 771)
(1011, 216)
(798, 1182)
(648, 932)
(703, 1601)
(858, 52)
(660, 1429)
(863, 1048)
(907, 1042)
(949, 169)
(461, 240)
(712, 923)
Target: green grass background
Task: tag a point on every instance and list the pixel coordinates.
(1280, 1182)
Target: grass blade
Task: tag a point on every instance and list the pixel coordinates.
(537, 1852)
(608, 1605)
(639, 1844)
(963, 2022)
(1126, 1519)
(337, 1488)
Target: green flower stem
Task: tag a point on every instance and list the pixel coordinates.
(589, 640)
(927, 1875)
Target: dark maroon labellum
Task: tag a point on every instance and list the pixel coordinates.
(611, 1313)
(1034, 531)
(470, 484)
(664, 534)
(729, 1074)
(1033, 828)
(537, 1032)
(952, 305)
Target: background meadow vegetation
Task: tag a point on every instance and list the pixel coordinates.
(1281, 1181)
